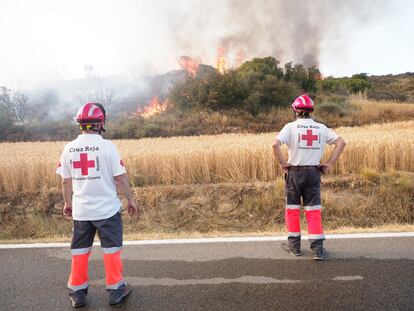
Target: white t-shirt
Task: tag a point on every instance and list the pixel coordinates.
(306, 141)
(92, 162)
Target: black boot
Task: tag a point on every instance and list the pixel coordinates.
(294, 245)
(319, 252)
(78, 298)
(116, 296)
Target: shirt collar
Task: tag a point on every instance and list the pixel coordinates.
(96, 136)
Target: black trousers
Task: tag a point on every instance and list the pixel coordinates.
(109, 232)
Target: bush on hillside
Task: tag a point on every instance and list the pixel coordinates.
(344, 86)
(256, 86)
(333, 108)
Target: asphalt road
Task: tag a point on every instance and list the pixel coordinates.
(361, 274)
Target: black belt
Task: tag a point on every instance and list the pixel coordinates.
(302, 167)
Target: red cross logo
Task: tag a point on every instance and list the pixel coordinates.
(309, 137)
(84, 164)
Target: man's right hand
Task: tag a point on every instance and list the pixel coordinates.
(67, 210)
(324, 168)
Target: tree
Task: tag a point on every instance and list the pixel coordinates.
(103, 95)
(43, 107)
(305, 78)
(6, 122)
(345, 86)
(258, 68)
(14, 103)
(362, 76)
(257, 85)
(231, 91)
(271, 92)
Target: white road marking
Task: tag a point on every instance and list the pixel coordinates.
(139, 281)
(348, 278)
(221, 240)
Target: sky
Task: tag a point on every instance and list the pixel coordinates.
(47, 40)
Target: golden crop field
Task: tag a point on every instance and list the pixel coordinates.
(210, 159)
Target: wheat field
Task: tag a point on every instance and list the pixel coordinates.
(210, 159)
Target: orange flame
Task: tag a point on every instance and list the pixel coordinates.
(221, 60)
(240, 56)
(189, 64)
(154, 107)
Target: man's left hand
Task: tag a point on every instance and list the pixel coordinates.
(132, 208)
(285, 167)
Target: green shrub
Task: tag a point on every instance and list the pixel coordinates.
(150, 130)
(333, 108)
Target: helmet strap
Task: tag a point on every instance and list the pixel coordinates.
(304, 114)
(91, 127)
(301, 114)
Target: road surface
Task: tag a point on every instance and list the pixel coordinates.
(369, 273)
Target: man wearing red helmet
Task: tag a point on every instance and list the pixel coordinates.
(91, 170)
(306, 140)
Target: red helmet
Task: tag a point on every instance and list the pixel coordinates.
(302, 103)
(93, 114)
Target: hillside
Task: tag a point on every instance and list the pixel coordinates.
(392, 87)
(254, 97)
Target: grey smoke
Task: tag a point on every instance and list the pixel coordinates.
(287, 30)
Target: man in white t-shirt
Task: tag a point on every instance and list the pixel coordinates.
(91, 170)
(306, 140)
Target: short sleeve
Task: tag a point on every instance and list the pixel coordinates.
(331, 136)
(284, 134)
(117, 165)
(63, 168)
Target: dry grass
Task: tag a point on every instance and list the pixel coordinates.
(210, 159)
(358, 111)
(351, 201)
(387, 110)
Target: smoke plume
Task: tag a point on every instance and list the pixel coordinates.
(287, 30)
(131, 47)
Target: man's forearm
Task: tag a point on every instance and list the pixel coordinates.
(123, 185)
(67, 190)
(278, 153)
(339, 148)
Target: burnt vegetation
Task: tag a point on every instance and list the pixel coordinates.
(254, 97)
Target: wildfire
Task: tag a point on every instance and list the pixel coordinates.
(240, 56)
(221, 60)
(154, 107)
(189, 64)
(223, 56)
